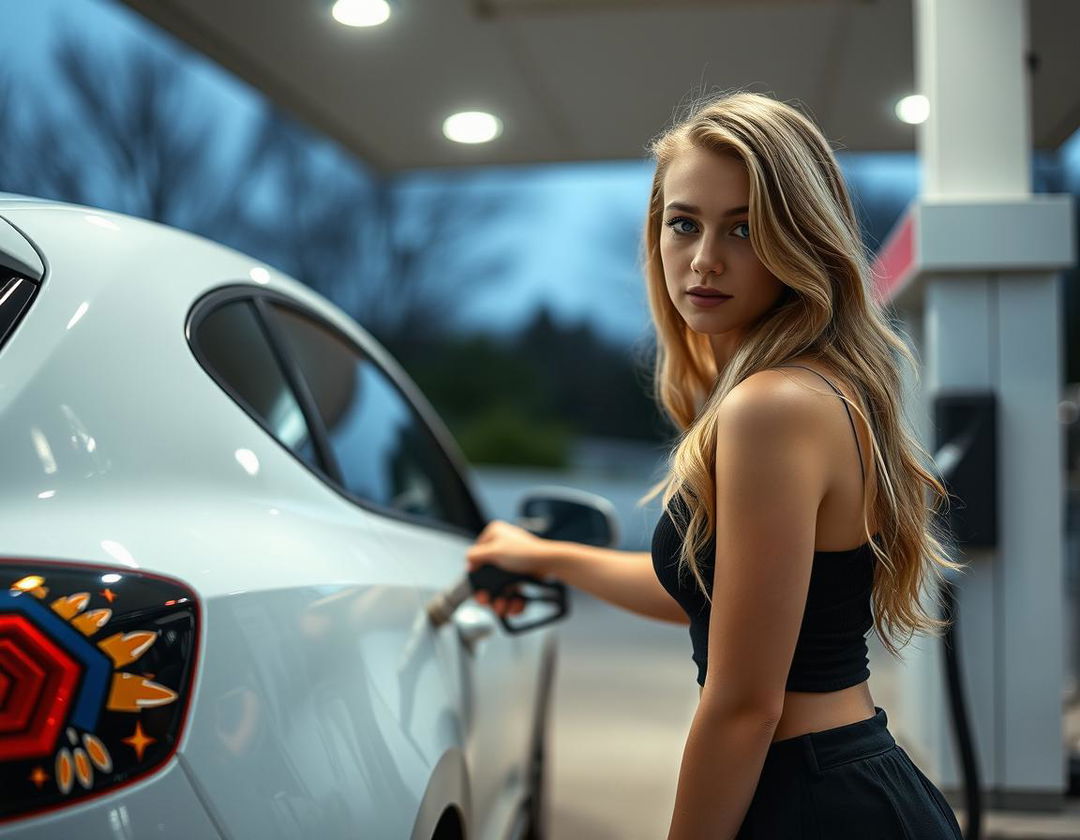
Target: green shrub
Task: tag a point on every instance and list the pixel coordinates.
(503, 434)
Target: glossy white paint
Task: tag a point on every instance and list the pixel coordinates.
(162, 806)
(325, 704)
(16, 253)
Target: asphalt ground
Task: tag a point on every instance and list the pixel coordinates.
(625, 695)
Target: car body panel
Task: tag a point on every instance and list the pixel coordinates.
(17, 254)
(163, 805)
(494, 686)
(325, 700)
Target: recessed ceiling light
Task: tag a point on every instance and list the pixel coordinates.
(472, 127)
(360, 12)
(913, 109)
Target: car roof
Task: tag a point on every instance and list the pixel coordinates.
(150, 261)
(138, 279)
(17, 199)
(59, 232)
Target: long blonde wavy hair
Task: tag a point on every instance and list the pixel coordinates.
(804, 231)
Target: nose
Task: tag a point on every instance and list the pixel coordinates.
(707, 258)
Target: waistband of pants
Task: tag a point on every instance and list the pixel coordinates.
(831, 747)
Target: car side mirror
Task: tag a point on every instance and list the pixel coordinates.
(564, 513)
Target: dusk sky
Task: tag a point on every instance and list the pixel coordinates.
(558, 244)
(573, 234)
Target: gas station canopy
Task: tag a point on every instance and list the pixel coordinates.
(579, 80)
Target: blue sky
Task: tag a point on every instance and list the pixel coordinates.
(569, 243)
(572, 240)
(556, 245)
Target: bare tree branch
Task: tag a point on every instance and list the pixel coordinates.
(144, 141)
(394, 263)
(128, 133)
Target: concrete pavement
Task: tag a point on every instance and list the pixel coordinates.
(625, 695)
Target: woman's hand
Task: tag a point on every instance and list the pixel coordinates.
(511, 548)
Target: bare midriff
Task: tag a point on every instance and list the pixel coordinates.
(814, 711)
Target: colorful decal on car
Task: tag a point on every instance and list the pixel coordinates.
(90, 679)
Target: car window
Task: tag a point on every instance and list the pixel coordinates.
(15, 296)
(234, 346)
(385, 452)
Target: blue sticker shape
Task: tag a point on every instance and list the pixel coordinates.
(97, 667)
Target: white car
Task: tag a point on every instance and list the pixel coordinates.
(223, 512)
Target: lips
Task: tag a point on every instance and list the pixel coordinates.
(707, 300)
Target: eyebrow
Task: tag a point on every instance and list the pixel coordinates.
(690, 208)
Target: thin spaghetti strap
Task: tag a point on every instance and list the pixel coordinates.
(862, 470)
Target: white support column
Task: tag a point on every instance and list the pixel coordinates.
(970, 63)
(1031, 623)
(975, 267)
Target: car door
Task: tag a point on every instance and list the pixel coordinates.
(390, 459)
(306, 722)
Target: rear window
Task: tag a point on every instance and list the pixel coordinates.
(238, 355)
(16, 295)
(385, 453)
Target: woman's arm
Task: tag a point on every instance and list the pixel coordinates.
(623, 578)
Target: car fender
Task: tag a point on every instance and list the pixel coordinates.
(449, 785)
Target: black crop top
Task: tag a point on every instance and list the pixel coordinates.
(830, 652)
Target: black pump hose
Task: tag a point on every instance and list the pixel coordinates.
(958, 714)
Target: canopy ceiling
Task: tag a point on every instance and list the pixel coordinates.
(590, 79)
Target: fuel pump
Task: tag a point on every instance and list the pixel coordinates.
(965, 423)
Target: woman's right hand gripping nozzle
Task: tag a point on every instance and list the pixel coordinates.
(509, 547)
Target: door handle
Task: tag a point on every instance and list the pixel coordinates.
(473, 624)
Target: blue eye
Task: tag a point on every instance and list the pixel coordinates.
(679, 220)
(682, 220)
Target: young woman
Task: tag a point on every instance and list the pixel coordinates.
(795, 504)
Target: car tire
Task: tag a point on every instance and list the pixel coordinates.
(538, 800)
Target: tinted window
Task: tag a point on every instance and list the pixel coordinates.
(235, 347)
(15, 296)
(385, 453)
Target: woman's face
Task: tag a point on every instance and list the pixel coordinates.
(704, 241)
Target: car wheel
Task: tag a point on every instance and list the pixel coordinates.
(538, 802)
(449, 827)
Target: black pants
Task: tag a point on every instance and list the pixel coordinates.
(851, 781)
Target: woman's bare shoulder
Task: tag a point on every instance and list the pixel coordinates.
(789, 402)
(787, 382)
(771, 399)
(814, 377)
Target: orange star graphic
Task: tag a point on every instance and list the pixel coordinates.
(38, 777)
(108, 595)
(139, 741)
